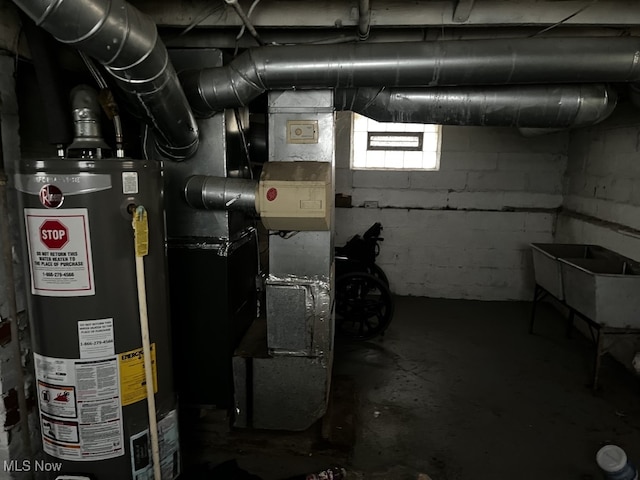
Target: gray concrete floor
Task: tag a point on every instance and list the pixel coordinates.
(460, 390)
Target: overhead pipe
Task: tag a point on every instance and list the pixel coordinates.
(364, 19)
(126, 42)
(528, 106)
(415, 64)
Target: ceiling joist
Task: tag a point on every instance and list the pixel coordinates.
(395, 13)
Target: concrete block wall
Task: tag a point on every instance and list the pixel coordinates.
(602, 185)
(12, 442)
(462, 231)
(602, 196)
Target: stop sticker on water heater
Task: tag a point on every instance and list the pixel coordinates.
(59, 252)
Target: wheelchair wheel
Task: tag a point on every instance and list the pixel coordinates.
(377, 272)
(364, 306)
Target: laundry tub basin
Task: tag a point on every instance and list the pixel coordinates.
(605, 290)
(546, 264)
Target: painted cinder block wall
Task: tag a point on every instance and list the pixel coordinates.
(602, 185)
(602, 196)
(462, 231)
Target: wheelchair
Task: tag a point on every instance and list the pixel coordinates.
(364, 303)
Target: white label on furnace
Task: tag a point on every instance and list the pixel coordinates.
(129, 183)
(60, 260)
(95, 338)
(80, 411)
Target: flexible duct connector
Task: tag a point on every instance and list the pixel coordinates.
(126, 42)
(529, 106)
(424, 64)
(220, 193)
(86, 120)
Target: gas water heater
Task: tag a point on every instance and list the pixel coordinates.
(84, 308)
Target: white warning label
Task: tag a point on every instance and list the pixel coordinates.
(57, 399)
(64, 431)
(141, 458)
(85, 423)
(59, 246)
(95, 338)
(129, 183)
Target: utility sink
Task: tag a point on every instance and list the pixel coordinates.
(605, 290)
(547, 267)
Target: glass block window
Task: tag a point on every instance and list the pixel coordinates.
(394, 146)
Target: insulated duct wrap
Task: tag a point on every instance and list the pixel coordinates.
(416, 64)
(550, 106)
(126, 42)
(286, 386)
(299, 316)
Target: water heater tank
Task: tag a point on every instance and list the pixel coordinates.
(83, 308)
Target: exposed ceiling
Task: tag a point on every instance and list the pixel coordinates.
(216, 23)
(398, 13)
(354, 61)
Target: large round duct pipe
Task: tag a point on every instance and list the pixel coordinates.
(126, 42)
(416, 64)
(527, 106)
(220, 193)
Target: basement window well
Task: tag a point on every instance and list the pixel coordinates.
(394, 146)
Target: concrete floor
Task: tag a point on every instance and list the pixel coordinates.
(460, 390)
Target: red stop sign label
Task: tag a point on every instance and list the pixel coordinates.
(54, 234)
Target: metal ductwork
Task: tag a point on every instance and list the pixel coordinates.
(549, 106)
(220, 193)
(86, 121)
(419, 64)
(126, 42)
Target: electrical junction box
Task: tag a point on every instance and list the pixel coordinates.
(295, 196)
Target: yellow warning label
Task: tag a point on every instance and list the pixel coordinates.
(141, 231)
(133, 387)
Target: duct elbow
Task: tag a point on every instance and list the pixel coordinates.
(235, 85)
(195, 83)
(597, 102)
(126, 42)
